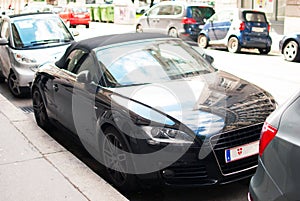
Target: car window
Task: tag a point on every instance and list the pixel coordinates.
(165, 10)
(177, 10)
(74, 59)
(151, 63)
(89, 65)
(154, 11)
(40, 31)
(254, 17)
(225, 15)
(199, 13)
(5, 30)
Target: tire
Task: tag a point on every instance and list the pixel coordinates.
(14, 87)
(264, 50)
(139, 28)
(291, 51)
(202, 41)
(87, 26)
(112, 157)
(173, 33)
(233, 45)
(39, 110)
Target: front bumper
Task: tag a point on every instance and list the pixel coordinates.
(24, 75)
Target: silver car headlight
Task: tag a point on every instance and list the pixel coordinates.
(159, 135)
(24, 59)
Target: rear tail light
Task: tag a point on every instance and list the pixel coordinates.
(242, 26)
(187, 20)
(268, 133)
(269, 28)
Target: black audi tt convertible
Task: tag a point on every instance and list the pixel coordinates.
(151, 108)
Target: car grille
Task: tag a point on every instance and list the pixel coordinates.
(186, 175)
(232, 139)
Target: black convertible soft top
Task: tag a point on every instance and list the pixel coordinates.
(101, 41)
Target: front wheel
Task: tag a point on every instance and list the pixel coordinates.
(264, 50)
(291, 51)
(173, 33)
(39, 110)
(15, 89)
(116, 160)
(233, 45)
(139, 28)
(202, 41)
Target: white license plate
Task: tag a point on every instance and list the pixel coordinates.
(257, 29)
(240, 152)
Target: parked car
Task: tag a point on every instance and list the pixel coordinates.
(289, 46)
(175, 18)
(152, 109)
(75, 15)
(277, 177)
(27, 40)
(236, 29)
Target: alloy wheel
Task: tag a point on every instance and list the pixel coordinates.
(233, 45)
(290, 51)
(13, 85)
(39, 110)
(114, 159)
(202, 41)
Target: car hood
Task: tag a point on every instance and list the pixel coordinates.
(41, 55)
(207, 104)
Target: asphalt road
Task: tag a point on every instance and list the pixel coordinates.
(270, 72)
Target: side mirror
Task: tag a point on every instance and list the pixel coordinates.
(3, 41)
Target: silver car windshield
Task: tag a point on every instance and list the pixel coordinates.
(32, 32)
(151, 62)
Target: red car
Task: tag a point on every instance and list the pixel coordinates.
(73, 16)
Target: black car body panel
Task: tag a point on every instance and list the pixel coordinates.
(217, 110)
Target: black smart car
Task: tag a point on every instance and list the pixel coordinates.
(150, 108)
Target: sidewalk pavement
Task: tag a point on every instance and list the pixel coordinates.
(34, 167)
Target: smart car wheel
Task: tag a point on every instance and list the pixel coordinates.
(39, 110)
(291, 51)
(264, 50)
(202, 41)
(173, 33)
(233, 45)
(15, 89)
(116, 162)
(139, 28)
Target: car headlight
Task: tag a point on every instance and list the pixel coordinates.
(24, 59)
(159, 135)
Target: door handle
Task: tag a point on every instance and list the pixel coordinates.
(55, 87)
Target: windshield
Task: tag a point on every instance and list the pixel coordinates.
(254, 17)
(38, 31)
(151, 62)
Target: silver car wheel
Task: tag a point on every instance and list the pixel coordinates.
(202, 41)
(13, 84)
(173, 33)
(139, 29)
(290, 51)
(233, 45)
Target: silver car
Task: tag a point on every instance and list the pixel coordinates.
(277, 176)
(175, 18)
(26, 41)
